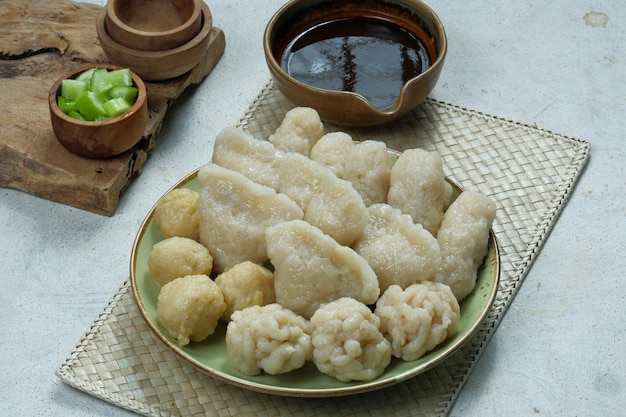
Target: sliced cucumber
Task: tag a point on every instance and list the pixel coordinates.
(127, 93)
(116, 106)
(90, 105)
(85, 75)
(121, 77)
(98, 94)
(66, 105)
(76, 115)
(72, 88)
(100, 81)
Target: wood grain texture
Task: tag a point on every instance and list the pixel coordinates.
(39, 41)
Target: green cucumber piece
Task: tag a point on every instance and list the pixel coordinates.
(127, 93)
(121, 77)
(116, 106)
(71, 88)
(85, 75)
(76, 115)
(66, 105)
(89, 104)
(100, 82)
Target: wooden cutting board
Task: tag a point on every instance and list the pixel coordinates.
(39, 41)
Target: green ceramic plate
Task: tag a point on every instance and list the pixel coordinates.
(211, 357)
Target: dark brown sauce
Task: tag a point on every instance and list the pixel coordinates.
(368, 56)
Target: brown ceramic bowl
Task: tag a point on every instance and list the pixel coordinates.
(345, 105)
(157, 65)
(99, 139)
(157, 25)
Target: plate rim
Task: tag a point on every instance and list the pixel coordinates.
(366, 386)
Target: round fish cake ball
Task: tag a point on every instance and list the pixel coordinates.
(190, 307)
(176, 257)
(347, 342)
(270, 339)
(417, 319)
(176, 214)
(244, 285)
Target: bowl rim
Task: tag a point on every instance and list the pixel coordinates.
(434, 67)
(55, 90)
(197, 13)
(204, 33)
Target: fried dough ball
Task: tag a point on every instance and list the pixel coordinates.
(398, 250)
(268, 338)
(367, 165)
(176, 257)
(299, 130)
(176, 214)
(418, 187)
(464, 241)
(256, 159)
(311, 268)
(329, 203)
(417, 319)
(190, 307)
(244, 285)
(234, 213)
(347, 342)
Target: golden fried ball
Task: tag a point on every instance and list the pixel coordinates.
(176, 214)
(176, 257)
(244, 285)
(190, 307)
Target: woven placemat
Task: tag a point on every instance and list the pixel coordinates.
(529, 172)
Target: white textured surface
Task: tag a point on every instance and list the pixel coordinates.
(559, 350)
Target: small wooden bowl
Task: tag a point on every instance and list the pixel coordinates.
(157, 65)
(157, 25)
(344, 107)
(99, 139)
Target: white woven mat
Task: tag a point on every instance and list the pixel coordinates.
(529, 172)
